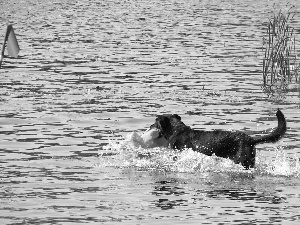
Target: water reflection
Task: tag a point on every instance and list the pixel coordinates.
(164, 189)
(166, 204)
(172, 193)
(244, 195)
(91, 72)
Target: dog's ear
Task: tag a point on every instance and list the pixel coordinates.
(176, 123)
(176, 116)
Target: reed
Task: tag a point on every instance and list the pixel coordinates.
(280, 62)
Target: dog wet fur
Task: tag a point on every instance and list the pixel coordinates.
(235, 145)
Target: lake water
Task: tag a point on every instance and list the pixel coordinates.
(92, 72)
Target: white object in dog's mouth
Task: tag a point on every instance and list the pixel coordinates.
(150, 134)
(152, 138)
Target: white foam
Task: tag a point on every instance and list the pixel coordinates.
(132, 152)
(279, 165)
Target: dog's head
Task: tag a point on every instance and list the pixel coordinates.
(167, 124)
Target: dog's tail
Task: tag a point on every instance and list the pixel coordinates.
(276, 134)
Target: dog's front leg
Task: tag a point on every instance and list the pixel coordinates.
(172, 141)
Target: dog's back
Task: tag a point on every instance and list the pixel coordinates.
(227, 144)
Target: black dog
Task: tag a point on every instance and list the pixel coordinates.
(234, 145)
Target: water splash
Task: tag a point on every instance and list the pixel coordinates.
(279, 165)
(127, 153)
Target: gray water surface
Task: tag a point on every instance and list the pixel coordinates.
(90, 73)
